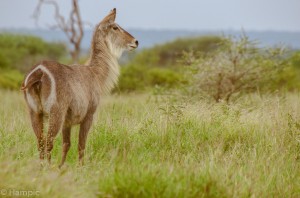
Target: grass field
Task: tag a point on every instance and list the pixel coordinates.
(137, 148)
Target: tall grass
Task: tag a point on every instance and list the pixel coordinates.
(139, 148)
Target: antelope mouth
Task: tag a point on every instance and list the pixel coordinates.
(132, 47)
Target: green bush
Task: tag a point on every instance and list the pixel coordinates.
(131, 79)
(168, 55)
(4, 62)
(163, 77)
(18, 53)
(295, 59)
(160, 66)
(10, 79)
(21, 52)
(138, 78)
(238, 67)
(289, 77)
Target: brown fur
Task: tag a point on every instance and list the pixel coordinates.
(69, 95)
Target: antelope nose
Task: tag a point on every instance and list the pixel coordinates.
(137, 43)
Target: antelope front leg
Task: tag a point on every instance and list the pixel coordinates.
(84, 130)
(66, 143)
(37, 125)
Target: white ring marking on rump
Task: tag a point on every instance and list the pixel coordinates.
(51, 98)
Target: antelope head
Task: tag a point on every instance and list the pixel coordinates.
(115, 37)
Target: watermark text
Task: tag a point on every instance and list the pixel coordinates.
(12, 192)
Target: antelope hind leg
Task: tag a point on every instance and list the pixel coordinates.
(66, 132)
(55, 122)
(37, 125)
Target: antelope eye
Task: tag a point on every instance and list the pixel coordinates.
(115, 28)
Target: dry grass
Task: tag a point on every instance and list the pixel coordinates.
(138, 148)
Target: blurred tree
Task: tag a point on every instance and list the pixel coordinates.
(160, 66)
(20, 52)
(169, 54)
(236, 67)
(72, 27)
(295, 59)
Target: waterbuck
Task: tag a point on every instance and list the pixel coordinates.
(69, 95)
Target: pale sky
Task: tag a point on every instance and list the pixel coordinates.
(260, 15)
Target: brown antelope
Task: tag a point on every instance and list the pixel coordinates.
(69, 95)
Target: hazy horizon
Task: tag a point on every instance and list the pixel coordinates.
(149, 38)
(157, 29)
(189, 15)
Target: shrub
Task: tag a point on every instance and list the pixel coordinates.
(168, 55)
(164, 77)
(4, 62)
(131, 79)
(160, 66)
(21, 52)
(238, 66)
(289, 76)
(138, 78)
(295, 59)
(10, 79)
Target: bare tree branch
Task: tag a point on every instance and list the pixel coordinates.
(72, 27)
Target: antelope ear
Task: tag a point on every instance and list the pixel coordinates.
(110, 18)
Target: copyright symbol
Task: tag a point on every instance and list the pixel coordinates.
(3, 192)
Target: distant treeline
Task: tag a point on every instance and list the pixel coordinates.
(167, 65)
(159, 66)
(18, 53)
(162, 65)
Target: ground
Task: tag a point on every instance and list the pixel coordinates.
(143, 147)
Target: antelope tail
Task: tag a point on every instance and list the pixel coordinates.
(32, 78)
